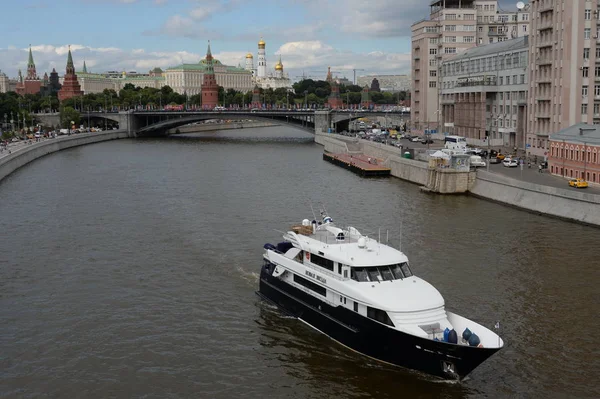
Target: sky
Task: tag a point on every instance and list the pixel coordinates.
(372, 36)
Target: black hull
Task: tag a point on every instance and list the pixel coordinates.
(371, 338)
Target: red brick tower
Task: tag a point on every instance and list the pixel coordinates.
(365, 98)
(209, 87)
(256, 98)
(335, 101)
(70, 87)
(32, 83)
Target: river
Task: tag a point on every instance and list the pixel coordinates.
(129, 269)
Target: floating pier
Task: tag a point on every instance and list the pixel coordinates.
(359, 164)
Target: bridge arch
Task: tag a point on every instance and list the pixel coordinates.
(156, 125)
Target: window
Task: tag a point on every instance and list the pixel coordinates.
(450, 50)
(597, 90)
(584, 91)
(451, 39)
(501, 80)
(450, 28)
(480, 28)
(451, 17)
(525, 17)
(586, 71)
(432, 51)
(432, 84)
(469, 39)
(319, 261)
(381, 273)
(508, 80)
(469, 17)
(433, 73)
(587, 14)
(586, 53)
(501, 108)
(379, 315)
(310, 285)
(598, 50)
(587, 32)
(355, 306)
(433, 40)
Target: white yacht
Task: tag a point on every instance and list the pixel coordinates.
(364, 295)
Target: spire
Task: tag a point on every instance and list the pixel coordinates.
(70, 66)
(84, 67)
(210, 70)
(30, 63)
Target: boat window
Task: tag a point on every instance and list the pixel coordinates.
(386, 273)
(359, 274)
(310, 285)
(373, 273)
(355, 306)
(406, 270)
(379, 315)
(320, 261)
(397, 271)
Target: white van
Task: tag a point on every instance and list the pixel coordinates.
(476, 161)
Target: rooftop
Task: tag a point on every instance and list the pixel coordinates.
(519, 43)
(579, 133)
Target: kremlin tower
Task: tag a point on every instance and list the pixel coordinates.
(32, 83)
(70, 87)
(279, 69)
(250, 63)
(209, 87)
(334, 101)
(365, 98)
(256, 98)
(261, 70)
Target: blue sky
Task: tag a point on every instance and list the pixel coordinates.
(141, 34)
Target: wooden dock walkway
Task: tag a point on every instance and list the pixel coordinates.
(358, 163)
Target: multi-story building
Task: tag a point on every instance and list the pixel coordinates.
(483, 94)
(453, 27)
(575, 152)
(4, 83)
(393, 83)
(564, 75)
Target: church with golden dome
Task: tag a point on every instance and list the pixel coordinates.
(277, 79)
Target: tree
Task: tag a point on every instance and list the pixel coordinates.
(68, 115)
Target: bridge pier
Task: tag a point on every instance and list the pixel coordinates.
(322, 121)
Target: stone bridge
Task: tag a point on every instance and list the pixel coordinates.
(157, 123)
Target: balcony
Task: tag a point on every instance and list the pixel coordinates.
(417, 57)
(549, 6)
(522, 101)
(597, 78)
(544, 80)
(545, 43)
(542, 115)
(543, 61)
(494, 33)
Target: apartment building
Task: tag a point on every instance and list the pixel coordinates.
(483, 94)
(452, 28)
(564, 74)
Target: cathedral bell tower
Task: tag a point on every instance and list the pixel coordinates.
(261, 68)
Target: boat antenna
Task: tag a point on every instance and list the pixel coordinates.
(313, 212)
(387, 236)
(400, 243)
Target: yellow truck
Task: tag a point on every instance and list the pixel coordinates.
(578, 183)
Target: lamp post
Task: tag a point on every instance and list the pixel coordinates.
(305, 99)
(160, 99)
(105, 121)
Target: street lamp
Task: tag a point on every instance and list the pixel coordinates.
(160, 99)
(105, 121)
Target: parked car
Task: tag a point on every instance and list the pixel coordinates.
(426, 140)
(510, 163)
(578, 183)
(500, 156)
(494, 160)
(415, 139)
(476, 161)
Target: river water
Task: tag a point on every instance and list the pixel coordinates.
(129, 269)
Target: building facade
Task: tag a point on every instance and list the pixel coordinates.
(452, 28)
(393, 83)
(188, 78)
(564, 87)
(575, 152)
(483, 94)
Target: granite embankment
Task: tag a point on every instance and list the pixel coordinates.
(441, 181)
(26, 153)
(577, 206)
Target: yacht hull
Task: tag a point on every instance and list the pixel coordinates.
(372, 338)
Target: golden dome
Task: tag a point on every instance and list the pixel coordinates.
(262, 42)
(249, 55)
(278, 66)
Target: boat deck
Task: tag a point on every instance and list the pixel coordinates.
(359, 163)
